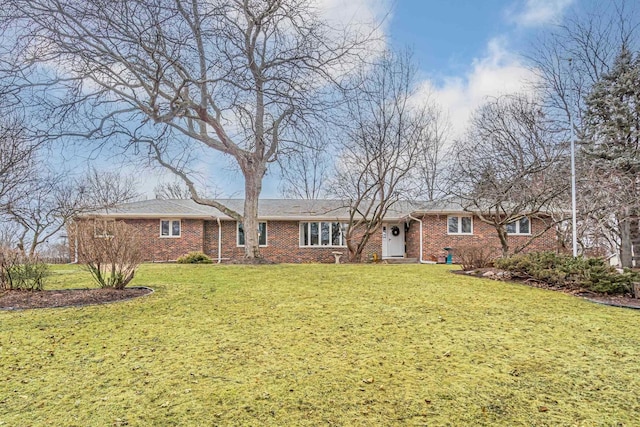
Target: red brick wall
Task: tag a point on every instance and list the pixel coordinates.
(169, 248)
(283, 244)
(162, 248)
(435, 237)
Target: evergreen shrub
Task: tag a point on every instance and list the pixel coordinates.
(565, 271)
(194, 258)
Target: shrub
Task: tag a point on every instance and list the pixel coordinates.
(21, 272)
(112, 258)
(474, 256)
(566, 271)
(194, 258)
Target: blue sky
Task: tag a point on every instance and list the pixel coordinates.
(446, 35)
(468, 50)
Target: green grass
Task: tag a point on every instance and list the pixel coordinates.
(315, 345)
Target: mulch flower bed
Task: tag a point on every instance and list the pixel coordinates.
(626, 301)
(21, 300)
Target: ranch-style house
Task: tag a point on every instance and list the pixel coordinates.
(297, 231)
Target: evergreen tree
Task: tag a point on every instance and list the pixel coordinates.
(611, 143)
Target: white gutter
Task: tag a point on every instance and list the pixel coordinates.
(219, 240)
(422, 261)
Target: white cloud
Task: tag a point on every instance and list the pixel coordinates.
(362, 18)
(357, 12)
(536, 13)
(498, 72)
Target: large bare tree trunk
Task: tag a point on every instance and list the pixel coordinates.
(252, 187)
(504, 241)
(625, 241)
(356, 244)
(355, 251)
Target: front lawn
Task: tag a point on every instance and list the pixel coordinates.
(315, 345)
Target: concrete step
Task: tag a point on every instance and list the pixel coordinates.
(400, 260)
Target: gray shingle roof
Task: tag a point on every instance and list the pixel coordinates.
(293, 209)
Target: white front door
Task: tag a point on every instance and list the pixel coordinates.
(393, 240)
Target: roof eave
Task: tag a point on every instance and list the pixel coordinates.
(123, 215)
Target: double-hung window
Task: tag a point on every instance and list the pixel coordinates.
(459, 224)
(323, 233)
(103, 227)
(262, 234)
(522, 226)
(170, 228)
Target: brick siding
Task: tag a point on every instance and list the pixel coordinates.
(161, 248)
(169, 248)
(436, 237)
(283, 244)
(283, 240)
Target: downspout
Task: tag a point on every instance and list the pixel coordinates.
(219, 240)
(75, 244)
(422, 261)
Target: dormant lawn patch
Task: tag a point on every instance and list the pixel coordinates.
(320, 345)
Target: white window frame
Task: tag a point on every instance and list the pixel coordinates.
(343, 234)
(171, 235)
(517, 223)
(266, 234)
(459, 232)
(105, 228)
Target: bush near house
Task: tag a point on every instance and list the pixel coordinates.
(194, 258)
(472, 257)
(112, 254)
(565, 271)
(21, 272)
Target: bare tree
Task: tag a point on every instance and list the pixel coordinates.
(105, 189)
(385, 131)
(190, 80)
(41, 215)
(112, 257)
(177, 189)
(572, 57)
(601, 220)
(8, 232)
(16, 158)
(50, 200)
(509, 166)
(304, 171)
(172, 190)
(17, 175)
(430, 170)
